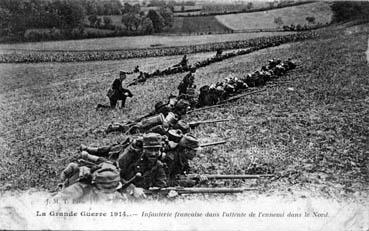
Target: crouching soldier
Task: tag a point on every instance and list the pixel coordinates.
(187, 82)
(141, 165)
(117, 93)
(86, 184)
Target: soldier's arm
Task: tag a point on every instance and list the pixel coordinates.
(161, 178)
(128, 91)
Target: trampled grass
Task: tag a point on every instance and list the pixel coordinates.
(289, 15)
(312, 129)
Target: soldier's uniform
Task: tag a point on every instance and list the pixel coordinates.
(119, 93)
(144, 160)
(109, 151)
(187, 81)
(100, 183)
(177, 160)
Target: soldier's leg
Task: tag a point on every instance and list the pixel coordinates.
(72, 192)
(98, 151)
(113, 102)
(123, 102)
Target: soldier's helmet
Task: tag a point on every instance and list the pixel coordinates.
(189, 141)
(106, 178)
(152, 140)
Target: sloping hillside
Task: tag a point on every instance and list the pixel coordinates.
(321, 11)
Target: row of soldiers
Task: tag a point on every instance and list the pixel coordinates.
(34, 56)
(158, 149)
(188, 98)
(131, 167)
(184, 66)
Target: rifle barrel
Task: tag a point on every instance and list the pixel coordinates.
(245, 176)
(213, 143)
(181, 190)
(195, 123)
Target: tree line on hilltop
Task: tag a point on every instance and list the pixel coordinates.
(66, 19)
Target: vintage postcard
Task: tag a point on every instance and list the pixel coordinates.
(184, 115)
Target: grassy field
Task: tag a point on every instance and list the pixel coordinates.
(203, 24)
(118, 43)
(313, 129)
(289, 15)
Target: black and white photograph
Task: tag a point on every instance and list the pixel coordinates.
(184, 115)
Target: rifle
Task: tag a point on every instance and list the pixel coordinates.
(194, 124)
(186, 190)
(224, 177)
(224, 102)
(213, 143)
(126, 184)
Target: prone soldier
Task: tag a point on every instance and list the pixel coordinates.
(97, 183)
(143, 158)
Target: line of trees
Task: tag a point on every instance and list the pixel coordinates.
(348, 10)
(135, 20)
(16, 16)
(65, 19)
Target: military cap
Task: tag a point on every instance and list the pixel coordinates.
(159, 105)
(175, 135)
(183, 126)
(172, 96)
(106, 178)
(152, 140)
(171, 118)
(189, 141)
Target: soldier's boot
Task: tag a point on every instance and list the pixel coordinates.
(82, 147)
(90, 150)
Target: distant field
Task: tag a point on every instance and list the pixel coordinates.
(289, 15)
(117, 43)
(202, 24)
